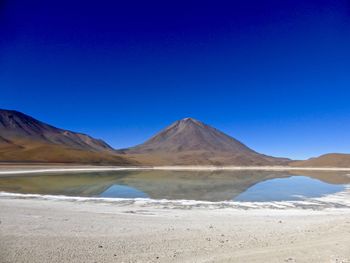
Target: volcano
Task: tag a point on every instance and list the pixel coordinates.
(192, 142)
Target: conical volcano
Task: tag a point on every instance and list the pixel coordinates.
(192, 142)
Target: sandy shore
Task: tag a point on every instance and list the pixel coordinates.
(62, 231)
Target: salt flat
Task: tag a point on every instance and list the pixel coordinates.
(62, 231)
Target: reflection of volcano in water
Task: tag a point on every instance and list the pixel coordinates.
(190, 185)
(212, 186)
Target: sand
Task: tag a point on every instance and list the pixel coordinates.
(65, 231)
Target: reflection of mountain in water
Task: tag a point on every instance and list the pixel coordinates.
(213, 186)
(190, 185)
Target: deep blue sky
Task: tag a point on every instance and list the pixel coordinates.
(273, 74)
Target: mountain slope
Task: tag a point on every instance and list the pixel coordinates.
(326, 160)
(25, 139)
(16, 125)
(191, 142)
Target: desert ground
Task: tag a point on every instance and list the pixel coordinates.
(62, 231)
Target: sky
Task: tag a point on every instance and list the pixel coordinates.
(273, 74)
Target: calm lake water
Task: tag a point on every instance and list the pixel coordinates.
(183, 185)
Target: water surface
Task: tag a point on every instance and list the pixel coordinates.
(183, 185)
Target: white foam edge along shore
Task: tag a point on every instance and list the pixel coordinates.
(340, 200)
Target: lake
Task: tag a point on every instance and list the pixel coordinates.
(214, 186)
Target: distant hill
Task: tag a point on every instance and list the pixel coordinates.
(25, 139)
(326, 160)
(191, 142)
(16, 125)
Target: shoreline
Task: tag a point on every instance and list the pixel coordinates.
(50, 231)
(336, 201)
(22, 169)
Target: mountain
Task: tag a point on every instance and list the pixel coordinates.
(191, 142)
(16, 125)
(25, 139)
(326, 160)
(185, 142)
